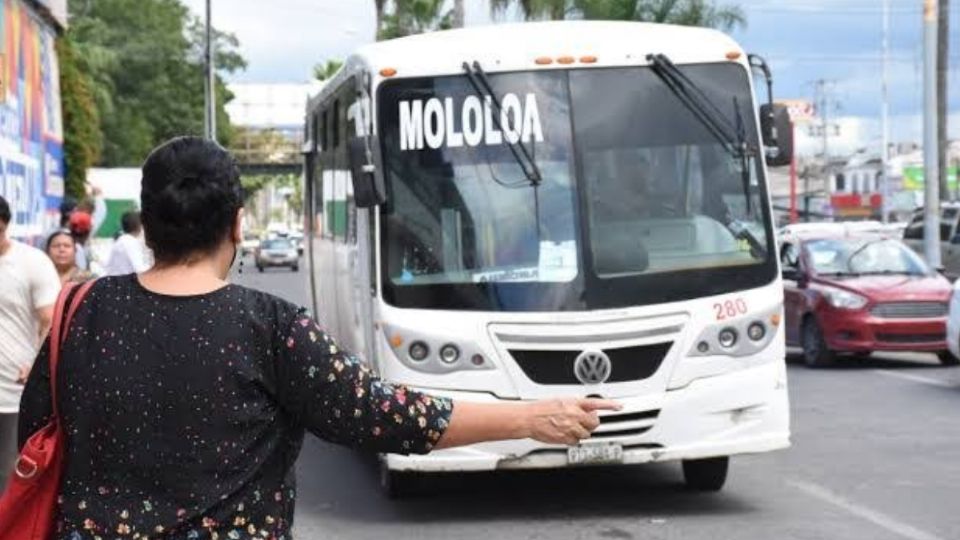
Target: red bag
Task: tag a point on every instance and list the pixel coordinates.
(29, 504)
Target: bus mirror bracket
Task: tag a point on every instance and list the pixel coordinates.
(368, 185)
(776, 129)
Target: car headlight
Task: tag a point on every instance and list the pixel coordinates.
(842, 299)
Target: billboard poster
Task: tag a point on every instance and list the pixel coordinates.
(31, 125)
(913, 177)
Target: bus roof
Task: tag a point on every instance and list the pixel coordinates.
(517, 46)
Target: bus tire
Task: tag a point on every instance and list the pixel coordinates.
(816, 353)
(948, 359)
(706, 474)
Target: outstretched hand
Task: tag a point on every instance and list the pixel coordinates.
(566, 420)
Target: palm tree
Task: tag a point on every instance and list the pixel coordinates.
(685, 12)
(534, 9)
(381, 5)
(324, 71)
(414, 17)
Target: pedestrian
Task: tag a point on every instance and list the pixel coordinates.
(67, 206)
(28, 290)
(80, 225)
(62, 250)
(185, 398)
(129, 253)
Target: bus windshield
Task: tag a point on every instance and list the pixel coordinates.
(636, 202)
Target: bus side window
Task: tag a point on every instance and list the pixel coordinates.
(321, 130)
(335, 128)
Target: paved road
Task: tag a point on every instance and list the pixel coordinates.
(876, 456)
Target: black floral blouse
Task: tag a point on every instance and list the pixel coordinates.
(184, 415)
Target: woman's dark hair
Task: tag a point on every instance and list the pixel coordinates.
(190, 195)
(4, 211)
(52, 237)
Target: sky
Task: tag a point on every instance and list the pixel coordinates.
(804, 40)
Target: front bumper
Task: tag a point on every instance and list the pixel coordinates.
(277, 261)
(856, 331)
(745, 411)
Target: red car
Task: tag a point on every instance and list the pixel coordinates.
(859, 294)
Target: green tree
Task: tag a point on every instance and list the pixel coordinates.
(683, 12)
(143, 57)
(82, 139)
(324, 71)
(409, 17)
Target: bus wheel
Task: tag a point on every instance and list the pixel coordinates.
(948, 359)
(706, 474)
(815, 350)
(397, 484)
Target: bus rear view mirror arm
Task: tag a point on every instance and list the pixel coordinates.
(776, 129)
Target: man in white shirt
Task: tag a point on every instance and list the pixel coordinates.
(29, 286)
(129, 254)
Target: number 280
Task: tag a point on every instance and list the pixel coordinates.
(730, 309)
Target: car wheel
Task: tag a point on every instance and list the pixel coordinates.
(295, 268)
(260, 268)
(397, 484)
(706, 474)
(815, 350)
(948, 359)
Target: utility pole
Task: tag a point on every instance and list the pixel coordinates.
(931, 184)
(823, 103)
(943, 49)
(459, 13)
(885, 119)
(210, 104)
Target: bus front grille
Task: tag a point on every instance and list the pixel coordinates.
(557, 367)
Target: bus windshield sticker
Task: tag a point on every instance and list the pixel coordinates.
(558, 261)
(512, 275)
(447, 123)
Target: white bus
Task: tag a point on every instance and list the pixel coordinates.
(558, 209)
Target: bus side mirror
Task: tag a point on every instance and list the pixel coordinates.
(777, 133)
(368, 186)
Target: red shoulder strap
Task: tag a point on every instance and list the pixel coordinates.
(63, 312)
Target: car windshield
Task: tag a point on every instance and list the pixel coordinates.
(636, 202)
(277, 244)
(843, 256)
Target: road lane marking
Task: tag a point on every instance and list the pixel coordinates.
(915, 378)
(877, 518)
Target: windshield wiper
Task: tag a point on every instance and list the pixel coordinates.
(482, 87)
(840, 274)
(732, 137)
(860, 249)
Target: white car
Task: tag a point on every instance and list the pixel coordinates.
(953, 326)
(277, 252)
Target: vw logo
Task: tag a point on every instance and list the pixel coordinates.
(592, 367)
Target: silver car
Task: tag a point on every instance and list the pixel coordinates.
(949, 237)
(277, 252)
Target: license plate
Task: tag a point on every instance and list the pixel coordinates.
(587, 454)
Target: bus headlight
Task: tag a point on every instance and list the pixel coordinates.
(727, 338)
(436, 354)
(756, 331)
(739, 337)
(418, 351)
(449, 353)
